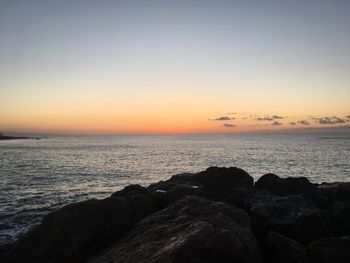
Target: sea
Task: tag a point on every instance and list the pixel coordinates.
(40, 176)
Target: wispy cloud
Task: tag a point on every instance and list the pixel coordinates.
(277, 117)
(329, 120)
(269, 118)
(276, 123)
(223, 118)
(264, 119)
(304, 122)
(325, 120)
(338, 120)
(275, 120)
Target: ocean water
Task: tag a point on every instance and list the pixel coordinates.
(39, 176)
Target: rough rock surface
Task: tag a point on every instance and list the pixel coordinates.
(75, 232)
(330, 250)
(340, 219)
(293, 216)
(280, 249)
(231, 185)
(284, 186)
(190, 230)
(217, 215)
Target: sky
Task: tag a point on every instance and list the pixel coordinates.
(138, 67)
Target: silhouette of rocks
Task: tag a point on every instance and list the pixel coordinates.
(293, 216)
(342, 192)
(217, 215)
(330, 250)
(280, 249)
(190, 230)
(284, 186)
(215, 183)
(340, 219)
(76, 231)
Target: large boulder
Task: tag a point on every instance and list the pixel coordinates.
(5, 252)
(280, 249)
(342, 192)
(192, 230)
(77, 231)
(330, 250)
(284, 186)
(340, 219)
(293, 216)
(325, 195)
(215, 183)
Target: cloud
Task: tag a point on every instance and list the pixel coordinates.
(292, 123)
(325, 120)
(268, 118)
(337, 120)
(277, 117)
(229, 125)
(264, 119)
(223, 118)
(330, 120)
(276, 123)
(348, 117)
(304, 122)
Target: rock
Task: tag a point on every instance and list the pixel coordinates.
(327, 194)
(284, 186)
(267, 182)
(5, 252)
(192, 230)
(280, 249)
(293, 216)
(340, 219)
(194, 218)
(220, 184)
(131, 190)
(329, 250)
(219, 179)
(77, 231)
(342, 192)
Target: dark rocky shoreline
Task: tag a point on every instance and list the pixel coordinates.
(218, 215)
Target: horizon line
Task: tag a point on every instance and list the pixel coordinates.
(338, 129)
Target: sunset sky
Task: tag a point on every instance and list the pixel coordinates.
(173, 66)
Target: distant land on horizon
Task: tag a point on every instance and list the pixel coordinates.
(10, 137)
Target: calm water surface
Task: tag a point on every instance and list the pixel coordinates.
(39, 176)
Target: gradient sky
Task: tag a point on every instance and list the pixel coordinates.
(173, 66)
